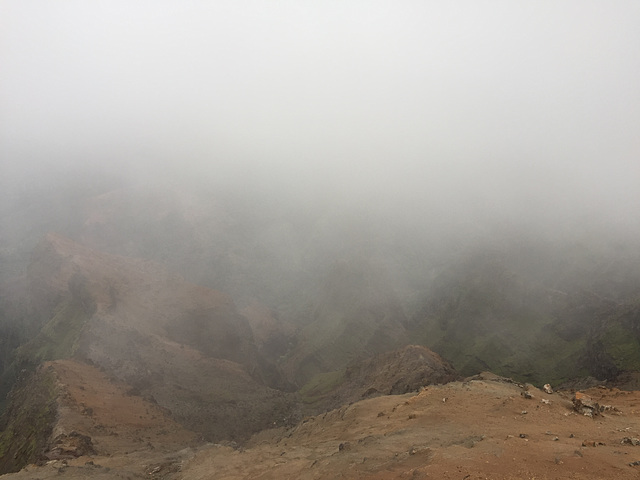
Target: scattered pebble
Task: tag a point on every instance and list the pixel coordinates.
(592, 443)
(610, 409)
(630, 441)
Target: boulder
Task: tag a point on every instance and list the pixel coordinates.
(584, 404)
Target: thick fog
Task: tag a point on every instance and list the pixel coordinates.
(355, 176)
(511, 111)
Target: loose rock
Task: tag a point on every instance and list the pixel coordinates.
(344, 446)
(610, 409)
(584, 404)
(592, 443)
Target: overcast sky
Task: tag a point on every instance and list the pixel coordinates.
(495, 103)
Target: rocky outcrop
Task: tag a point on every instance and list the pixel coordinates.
(400, 371)
(67, 446)
(584, 404)
(405, 370)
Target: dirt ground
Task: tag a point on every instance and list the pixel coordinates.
(481, 429)
(476, 429)
(130, 436)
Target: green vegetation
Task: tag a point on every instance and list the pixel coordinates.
(18, 323)
(556, 360)
(59, 337)
(622, 346)
(524, 347)
(491, 313)
(27, 423)
(320, 385)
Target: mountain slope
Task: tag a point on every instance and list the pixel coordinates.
(356, 315)
(404, 370)
(485, 426)
(184, 345)
(531, 313)
(480, 428)
(82, 413)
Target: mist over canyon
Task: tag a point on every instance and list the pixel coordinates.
(246, 224)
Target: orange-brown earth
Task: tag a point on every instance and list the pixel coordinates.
(103, 431)
(474, 429)
(117, 422)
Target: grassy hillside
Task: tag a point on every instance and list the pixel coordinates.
(26, 425)
(549, 322)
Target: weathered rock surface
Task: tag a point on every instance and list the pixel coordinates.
(392, 373)
(584, 404)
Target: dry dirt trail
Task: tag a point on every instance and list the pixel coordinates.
(474, 429)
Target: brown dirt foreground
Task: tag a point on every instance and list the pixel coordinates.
(475, 429)
(130, 436)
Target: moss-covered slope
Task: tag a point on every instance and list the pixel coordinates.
(27, 423)
(533, 317)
